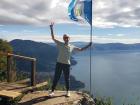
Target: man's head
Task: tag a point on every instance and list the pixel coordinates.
(66, 38)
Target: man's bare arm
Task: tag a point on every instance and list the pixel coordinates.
(84, 48)
(52, 33)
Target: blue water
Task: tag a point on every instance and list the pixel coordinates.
(115, 75)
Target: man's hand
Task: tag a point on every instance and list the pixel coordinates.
(51, 25)
(90, 44)
(52, 34)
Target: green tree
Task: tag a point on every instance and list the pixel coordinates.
(5, 47)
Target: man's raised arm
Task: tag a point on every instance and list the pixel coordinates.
(52, 33)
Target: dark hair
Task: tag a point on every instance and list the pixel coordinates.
(65, 36)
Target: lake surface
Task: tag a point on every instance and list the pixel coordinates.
(115, 75)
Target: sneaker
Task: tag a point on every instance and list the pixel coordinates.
(51, 94)
(68, 94)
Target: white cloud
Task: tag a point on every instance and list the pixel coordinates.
(116, 35)
(75, 38)
(115, 39)
(120, 35)
(110, 13)
(45, 38)
(106, 13)
(36, 12)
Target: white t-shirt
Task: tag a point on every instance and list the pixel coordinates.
(64, 52)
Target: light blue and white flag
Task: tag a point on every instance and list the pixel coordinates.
(80, 8)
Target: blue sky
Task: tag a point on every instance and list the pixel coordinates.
(113, 21)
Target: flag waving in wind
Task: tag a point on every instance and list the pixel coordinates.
(80, 8)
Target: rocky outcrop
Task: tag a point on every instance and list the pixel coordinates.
(86, 100)
(42, 98)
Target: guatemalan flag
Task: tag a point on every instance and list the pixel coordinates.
(80, 8)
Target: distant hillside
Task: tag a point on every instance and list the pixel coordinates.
(46, 54)
(117, 46)
(110, 46)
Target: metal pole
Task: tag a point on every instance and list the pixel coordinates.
(91, 54)
(91, 61)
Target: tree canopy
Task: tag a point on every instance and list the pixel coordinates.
(4, 48)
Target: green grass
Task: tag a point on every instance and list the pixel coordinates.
(103, 101)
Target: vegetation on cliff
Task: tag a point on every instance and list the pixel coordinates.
(4, 47)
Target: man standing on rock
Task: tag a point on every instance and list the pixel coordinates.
(63, 61)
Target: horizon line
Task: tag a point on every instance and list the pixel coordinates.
(51, 42)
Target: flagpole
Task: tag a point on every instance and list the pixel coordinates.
(91, 54)
(90, 60)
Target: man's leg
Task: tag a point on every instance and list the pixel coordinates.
(66, 71)
(58, 71)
